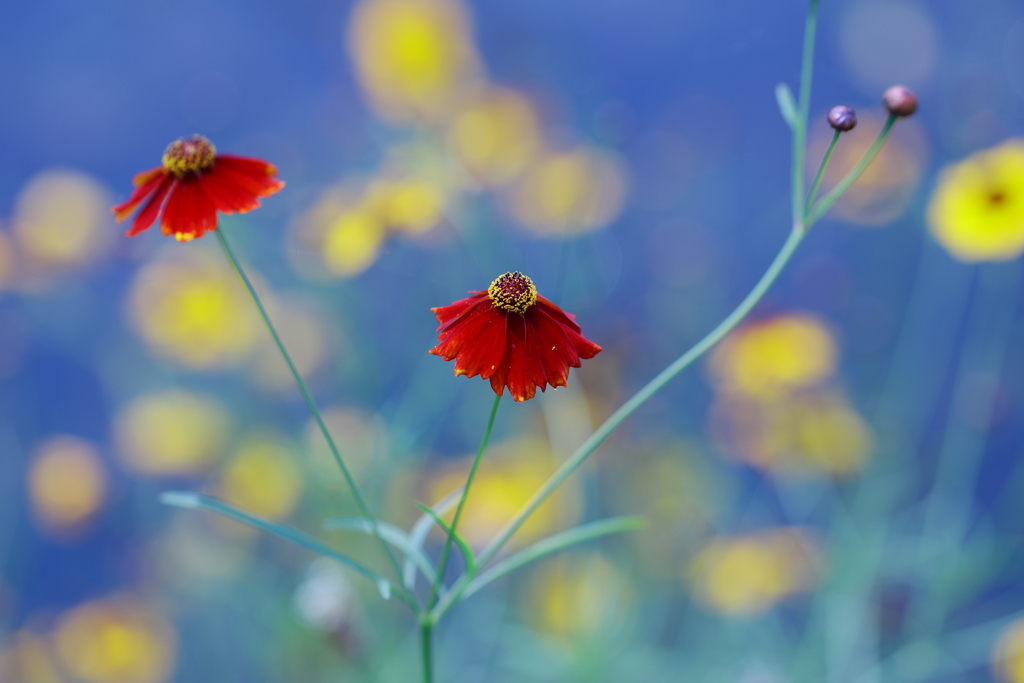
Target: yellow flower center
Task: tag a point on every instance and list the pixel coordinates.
(513, 292)
(189, 156)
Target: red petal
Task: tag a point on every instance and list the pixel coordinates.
(485, 347)
(151, 181)
(254, 175)
(151, 210)
(141, 179)
(189, 212)
(226, 195)
(465, 330)
(446, 314)
(555, 351)
(248, 165)
(566, 319)
(520, 378)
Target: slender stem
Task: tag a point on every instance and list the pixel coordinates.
(446, 551)
(627, 409)
(308, 396)
(426, 647)
(800, 130)
(821, 172)
(826, 202)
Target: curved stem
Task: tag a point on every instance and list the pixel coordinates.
(821, 172)
(445, 553)
(800, 130)
(826, 202)
(308, 396)
(627, 409)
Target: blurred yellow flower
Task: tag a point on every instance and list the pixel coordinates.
(496, 135)
(1008, 654)
(576, 595)
(815, 430)
(885, 189)
(28, 658)
(171, 433)
(771, 358)
(62, 219)
(412, 56)
(66, 481)
(977, 209)
(410, 206)
(829, 435)
(746, 575)
(510, 473)
(263, 478)
(116, 640)
(570, 193)
(352, 242)
(191, 309)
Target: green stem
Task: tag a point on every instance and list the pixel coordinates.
(800, 130)
(821, 173)
(446, 551)
(426, 646)
(627, 409)
(826, 202)
(308, 396)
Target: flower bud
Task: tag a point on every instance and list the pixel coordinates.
(842, 118)
(900, 101)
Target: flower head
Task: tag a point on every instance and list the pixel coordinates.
(512, 336)
(977, 209)
(192, 184)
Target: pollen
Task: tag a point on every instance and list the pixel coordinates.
(513, 292)
(189, 156)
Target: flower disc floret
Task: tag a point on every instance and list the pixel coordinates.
(513, 292)
(189, 156)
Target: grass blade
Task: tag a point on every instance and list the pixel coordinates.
(195, 501)
(553, 544)
(392, 535)
(467, 553)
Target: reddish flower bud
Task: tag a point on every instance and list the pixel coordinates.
(842, 118)
(900, 100)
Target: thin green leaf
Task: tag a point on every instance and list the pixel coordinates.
(392, 535)
(195, 501)
(467, 554)
(553, 544)
(787, 105)
(420, 530)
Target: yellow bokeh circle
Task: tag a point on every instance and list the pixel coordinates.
(66, 481)
(62, 218)
(192, 309)
(117, 640)
(171, 433)
(570, 193)
(770, 358)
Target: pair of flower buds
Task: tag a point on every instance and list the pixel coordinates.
(899, 101)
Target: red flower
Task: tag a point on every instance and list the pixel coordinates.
(192, 185)
(512, 336)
